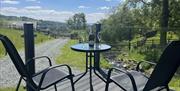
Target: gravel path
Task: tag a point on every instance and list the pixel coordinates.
(8, 73)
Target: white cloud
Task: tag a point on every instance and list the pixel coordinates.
(108, 0)
(9, 2)
(31, 0)
(94, 17)
(83, 7)
(36, 1)
(38, 12)
(33, 7)
(122, 0)
(104, 8)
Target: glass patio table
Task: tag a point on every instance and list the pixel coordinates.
(90, 53)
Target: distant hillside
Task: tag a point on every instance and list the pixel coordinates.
(15, 18)
(17, 22)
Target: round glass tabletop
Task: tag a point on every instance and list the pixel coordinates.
(84, 47)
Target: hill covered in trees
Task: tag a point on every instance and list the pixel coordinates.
(17, 22)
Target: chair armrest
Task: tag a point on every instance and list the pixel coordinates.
(53, 67)
(138, 65)
(50, 63)
(125, 72)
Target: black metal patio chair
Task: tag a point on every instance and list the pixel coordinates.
(162, 74)
(40, 80)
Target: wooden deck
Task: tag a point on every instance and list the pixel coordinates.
(83, 85)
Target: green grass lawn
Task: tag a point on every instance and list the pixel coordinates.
(18, 41)
(70, 57)
(74, 58)
(175, 83)
(12, 89)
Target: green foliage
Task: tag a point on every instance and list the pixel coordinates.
(82, 35)
(132, 55)
(140, 14)
(77, 22)
(15, 18)
(74, 35)
(5, 21)
(125, 21)
(104, 63)
(51, 25)
(152, 55)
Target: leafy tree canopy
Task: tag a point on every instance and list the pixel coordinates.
(78, 21)
(140, 16)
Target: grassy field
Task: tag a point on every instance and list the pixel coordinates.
(12, 89)
(74, 58)
(70, 57)
(15, 37)
(175, 83)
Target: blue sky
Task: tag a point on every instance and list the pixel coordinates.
(58, 10)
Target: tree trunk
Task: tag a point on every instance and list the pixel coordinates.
(164, 23)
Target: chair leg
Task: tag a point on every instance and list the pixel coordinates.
(19, 82)
(72, 84)
(55, 87)
(167, 88)
(37, 89)
(107, 86)
(108, 81)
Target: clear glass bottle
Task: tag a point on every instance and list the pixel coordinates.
(91, 39)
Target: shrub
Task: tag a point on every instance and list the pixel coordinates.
(152, 55)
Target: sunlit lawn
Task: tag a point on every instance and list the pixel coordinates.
(70, 57)
(175, 83)
(18, 41)
(74, 58)
(12, 89)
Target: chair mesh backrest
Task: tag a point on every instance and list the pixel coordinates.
(166, 67)
(13, 53)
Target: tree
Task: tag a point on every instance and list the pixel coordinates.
(164, 22)
(160, 15)
(78, 21)
(70, 23)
